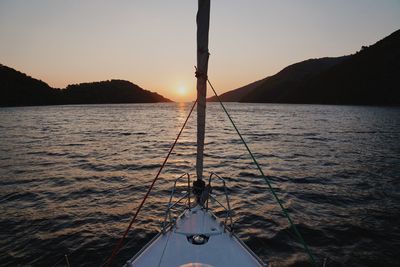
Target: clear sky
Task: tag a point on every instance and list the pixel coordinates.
(153, 42)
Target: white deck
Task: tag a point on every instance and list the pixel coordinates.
(174, 249)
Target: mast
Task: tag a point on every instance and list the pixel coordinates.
(203, 23)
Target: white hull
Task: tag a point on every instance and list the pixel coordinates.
(176, 246)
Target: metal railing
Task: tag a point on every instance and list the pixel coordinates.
(169, 219)
(227, 209)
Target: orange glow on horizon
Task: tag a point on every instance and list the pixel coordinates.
(182, 93)
(182, 90)
(61, 44)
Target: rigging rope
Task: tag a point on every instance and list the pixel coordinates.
(121, 240)
(297, 232)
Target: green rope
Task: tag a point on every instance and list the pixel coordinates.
(267, 181)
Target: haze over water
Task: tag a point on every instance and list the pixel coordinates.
(70, 177)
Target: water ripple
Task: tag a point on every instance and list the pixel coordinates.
(71, 177)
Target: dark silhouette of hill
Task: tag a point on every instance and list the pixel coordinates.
(369, 77)
(278, 84)
(279, 87)
(237, 94)
(18, 89)
(114, 91)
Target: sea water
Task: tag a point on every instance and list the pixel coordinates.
(72, 176)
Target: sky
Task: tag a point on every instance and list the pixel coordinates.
(152, 43)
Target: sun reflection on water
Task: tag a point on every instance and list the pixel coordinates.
(73, 175)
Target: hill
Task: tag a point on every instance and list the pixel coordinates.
(237, 94)
(113, 91)
(278, 84)
(19, 89)
(368, 77)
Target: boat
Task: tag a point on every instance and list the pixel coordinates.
(191, 234)
(197, 237)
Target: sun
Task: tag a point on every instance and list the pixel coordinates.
(182, 90)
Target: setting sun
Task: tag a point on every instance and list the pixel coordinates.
(182, 90)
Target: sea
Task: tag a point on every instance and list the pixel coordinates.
(72, 176)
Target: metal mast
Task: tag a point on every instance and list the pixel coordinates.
(203, 23)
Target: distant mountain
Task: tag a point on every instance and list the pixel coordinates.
(369, 77)
(114, 91)
(237, 94)
(18, 89)
(278, 84)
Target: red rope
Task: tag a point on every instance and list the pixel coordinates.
(121, 240)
